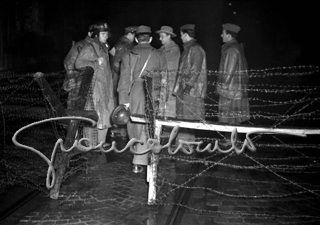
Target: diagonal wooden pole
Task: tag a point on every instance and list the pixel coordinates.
(62, 159)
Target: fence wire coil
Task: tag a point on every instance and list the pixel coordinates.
(274, 162)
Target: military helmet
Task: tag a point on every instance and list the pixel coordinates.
(100, 26)
(120, 115)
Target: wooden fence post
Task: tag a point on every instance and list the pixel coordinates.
(152, 172)
(62, 159)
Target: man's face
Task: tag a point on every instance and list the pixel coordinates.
(183, 37)
(225, 36)
(164, 38)
(103, 36)
(131, 36)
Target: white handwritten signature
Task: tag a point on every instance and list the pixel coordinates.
(152, 145)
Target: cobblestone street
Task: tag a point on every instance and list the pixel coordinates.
(111, 193)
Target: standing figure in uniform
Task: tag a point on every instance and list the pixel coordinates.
(123, 46)
(171, 52)
(191, 83)
(100, 97)
(142, 60)
(233, 80)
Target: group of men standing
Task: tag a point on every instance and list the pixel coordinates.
(186, 83)
(122, 79)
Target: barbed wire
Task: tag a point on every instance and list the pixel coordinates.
(264, 100)
(282, 168)
(238, 180)
(247, 214)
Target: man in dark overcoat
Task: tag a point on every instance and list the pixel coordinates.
(191, 84)
(123, 46)
(233, 79)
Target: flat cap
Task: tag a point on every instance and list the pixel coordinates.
(187, 27)
(130, 29)
(231, 27)
(143, 29)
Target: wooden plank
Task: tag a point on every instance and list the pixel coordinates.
(48, 93)
(227, 128)
(62, 160)
(91, 114)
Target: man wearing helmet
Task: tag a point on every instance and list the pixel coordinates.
(100, 97)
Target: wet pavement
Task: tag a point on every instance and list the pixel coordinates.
(104, 194)
(215, 189)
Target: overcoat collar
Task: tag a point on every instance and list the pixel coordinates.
(189, 43)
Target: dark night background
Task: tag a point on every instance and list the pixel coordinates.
(36, 35)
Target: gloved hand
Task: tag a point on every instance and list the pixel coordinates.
(224, 86)
(70, 74)
(186, 90)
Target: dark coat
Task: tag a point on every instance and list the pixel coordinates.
(73, 79)
(131, 90)
(123, 46)
(102, 86)
(192, 72)
(171, 52)
(234, 76)
(70, 59)
(233, 67)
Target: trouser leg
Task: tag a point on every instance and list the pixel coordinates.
(92, 134)
(96, 136)
(138, 131)
(102, 134)
(141, 159)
